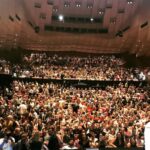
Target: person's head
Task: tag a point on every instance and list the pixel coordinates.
(24, 137)
(36, 136)
(71, 143)
(17, 130)
(7, 134)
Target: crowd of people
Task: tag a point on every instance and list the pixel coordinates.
(5, 66)
(52, 116)
(49, 116)
(106, 68)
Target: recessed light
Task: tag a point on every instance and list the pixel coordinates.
(61, 17)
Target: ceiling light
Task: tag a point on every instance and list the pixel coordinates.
(89, 6)
(61, 17)
(92, 19)
(130, 2)
(55, 10)
(66, 4)
(78, 5)
(101, 12)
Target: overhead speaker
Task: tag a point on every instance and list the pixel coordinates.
(119, 33)
(144, 24)
(37, 29)
(126, 28)
(30, 23)
(11, 18)
(18, 18)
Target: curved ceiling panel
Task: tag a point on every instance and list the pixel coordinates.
(87, 25)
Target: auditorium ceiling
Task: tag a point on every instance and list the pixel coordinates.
(98, 26)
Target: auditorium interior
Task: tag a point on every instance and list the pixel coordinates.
(74, 74)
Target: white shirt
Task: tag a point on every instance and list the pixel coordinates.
(6, 146)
